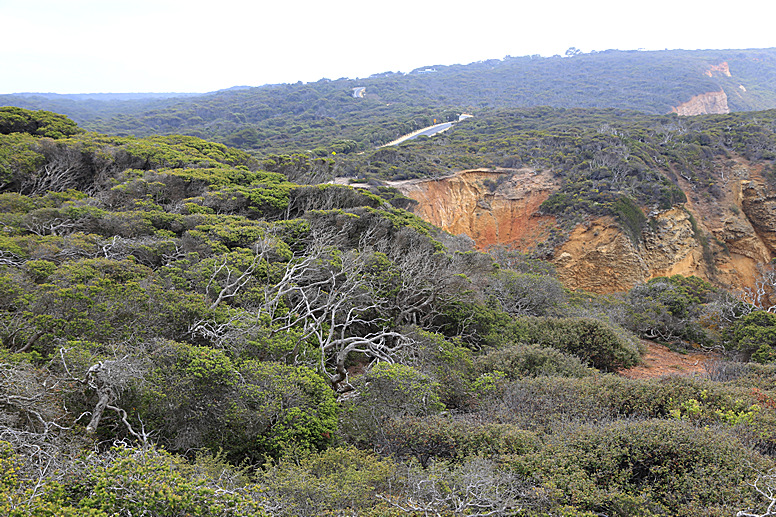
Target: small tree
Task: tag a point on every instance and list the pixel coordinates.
(755, 336)
(526, 294)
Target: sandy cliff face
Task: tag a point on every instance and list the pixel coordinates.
(600, 257)
(704, 104)
(720, 239)
(759, 205)
(722, 68)
(492, 207)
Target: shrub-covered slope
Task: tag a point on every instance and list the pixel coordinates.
(186, 331)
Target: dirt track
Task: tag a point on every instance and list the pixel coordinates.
(659, 361)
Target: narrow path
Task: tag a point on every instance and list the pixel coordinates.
(660, 361)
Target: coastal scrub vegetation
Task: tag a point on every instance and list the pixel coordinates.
(189, 329)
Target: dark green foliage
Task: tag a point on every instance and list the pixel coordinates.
(134, 482)
(668, 309)
(334, 481)
(644, 468)
(531, 361)
(300, 168)
(755, 336)
(631, 216)
(543, 404)
(297, 403)
(327, 197)
(445, 438)
(526, 294)
(385, 392)
(596, 343)
(400, 390)
(199, 397)
(449, 363)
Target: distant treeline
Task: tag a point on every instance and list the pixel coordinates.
(324, 116)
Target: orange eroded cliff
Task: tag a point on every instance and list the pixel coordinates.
(721, 238)
(704, 104)
(723, 68)
(491, 206)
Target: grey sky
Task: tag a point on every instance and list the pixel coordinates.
(79, 46)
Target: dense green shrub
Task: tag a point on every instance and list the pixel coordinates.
(526, 294)
(669, 309)
(38, 123)
(155, 482)
(441, 437)
(645, 468)
(198, 397)
(754, 336)
(123, 481)
(630, 216)
(448, 362)
(531, 361)
(399, 390)
(595, 342)
(332, 482)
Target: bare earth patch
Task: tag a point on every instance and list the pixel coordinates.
(659, 361)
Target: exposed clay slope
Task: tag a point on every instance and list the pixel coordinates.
(659, 361)
(722, 68)
(704, 104)
(709, 102)
(492, 207)
(721, 239)
(600, 257)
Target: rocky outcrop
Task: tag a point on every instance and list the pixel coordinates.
(759, 205)
(703, 104)
(600, 257)
(720, 239)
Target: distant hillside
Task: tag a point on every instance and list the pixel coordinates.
(106, 96)
(325, 116)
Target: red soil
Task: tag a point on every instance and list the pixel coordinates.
(659, 361)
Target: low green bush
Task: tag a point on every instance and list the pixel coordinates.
(198, 397)
(447, 438)
(645, 468)
(754, 336)
(596, 343)
(337, 481)
(531, 361)
(123, 481)
(541, 403)
(668, 309)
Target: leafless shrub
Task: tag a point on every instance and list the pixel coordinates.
(722, 370)
(475, 488)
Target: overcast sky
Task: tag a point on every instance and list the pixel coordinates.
(86, 46)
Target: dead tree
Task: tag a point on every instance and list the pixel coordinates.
(763, 294)
(765, 485)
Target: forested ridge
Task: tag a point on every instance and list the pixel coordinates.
(324, 116)
(191, 329)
